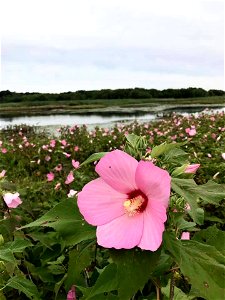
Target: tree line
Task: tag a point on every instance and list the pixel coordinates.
(131, 93)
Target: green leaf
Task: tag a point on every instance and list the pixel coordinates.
(134, 269)
(106, 282)
(56, 270)
(66, 219)
(48, 239)
(211, 192)
(185, 187)
(93, 157)
(18, 245)
(212, 236)
(178, 294)
(181, 223)
(214, 219)
(58, 285)
(164, 263)
(105, 296)
(133, 139)
(7, 256)
(180, 170)
(25, 286)
(177, 156)
(164, 148)
(7, 227)
(136, 142)
(202, 265)
(79, 259)
(2, 297)
(197, 215)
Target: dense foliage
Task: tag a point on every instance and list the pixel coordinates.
(46, 247)
(132, 93)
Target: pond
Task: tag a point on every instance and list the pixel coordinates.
(102, 118)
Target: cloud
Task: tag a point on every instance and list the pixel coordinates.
(56, 45)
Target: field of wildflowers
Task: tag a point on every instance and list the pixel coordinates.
(156, 196)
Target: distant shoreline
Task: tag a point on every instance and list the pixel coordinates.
(106, 106)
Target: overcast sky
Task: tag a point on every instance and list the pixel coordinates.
(57, 46)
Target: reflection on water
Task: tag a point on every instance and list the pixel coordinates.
(68, 119)
(96, 118)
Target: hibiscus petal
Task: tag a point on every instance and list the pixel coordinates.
(99, 203)
(153, 181)
(117, 168)
(123, 232)
(154, 218)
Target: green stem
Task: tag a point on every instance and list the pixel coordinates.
(158, 292)
(172, 283)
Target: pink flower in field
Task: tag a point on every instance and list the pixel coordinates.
(57, 186)
(58, 168)
(213, 135)
(69, 178)
(12, 200)
(185, 236)
(75, 164)
(50, 176)
(71, 193)
(192, 168)
(191, 131)
(67, 154)
(64, 142)
(4, 150)
(187, 207)
(52, 143)
(47, 158)
(223, 155)
(71, 294)
(76, 148)
(127, 203)
(2, 174)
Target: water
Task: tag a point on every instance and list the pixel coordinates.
(100, 118)
(61, 120)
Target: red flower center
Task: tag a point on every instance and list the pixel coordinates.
(136, 203)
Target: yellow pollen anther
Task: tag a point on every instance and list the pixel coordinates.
(134, 205)
(127, 203)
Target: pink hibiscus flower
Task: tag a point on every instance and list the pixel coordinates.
(12, 200)
(75, 164)
(66, 154)
(71, 294)
(2, 174)
(4, 150)
(50, 176)
(57, 186)
(69, 178)
(191, 131)
(52, 143)
(58, 168)
(185, 235)
(127, 203)
(192, 168)
(71, 193)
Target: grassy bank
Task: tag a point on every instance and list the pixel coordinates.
(83, 106)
